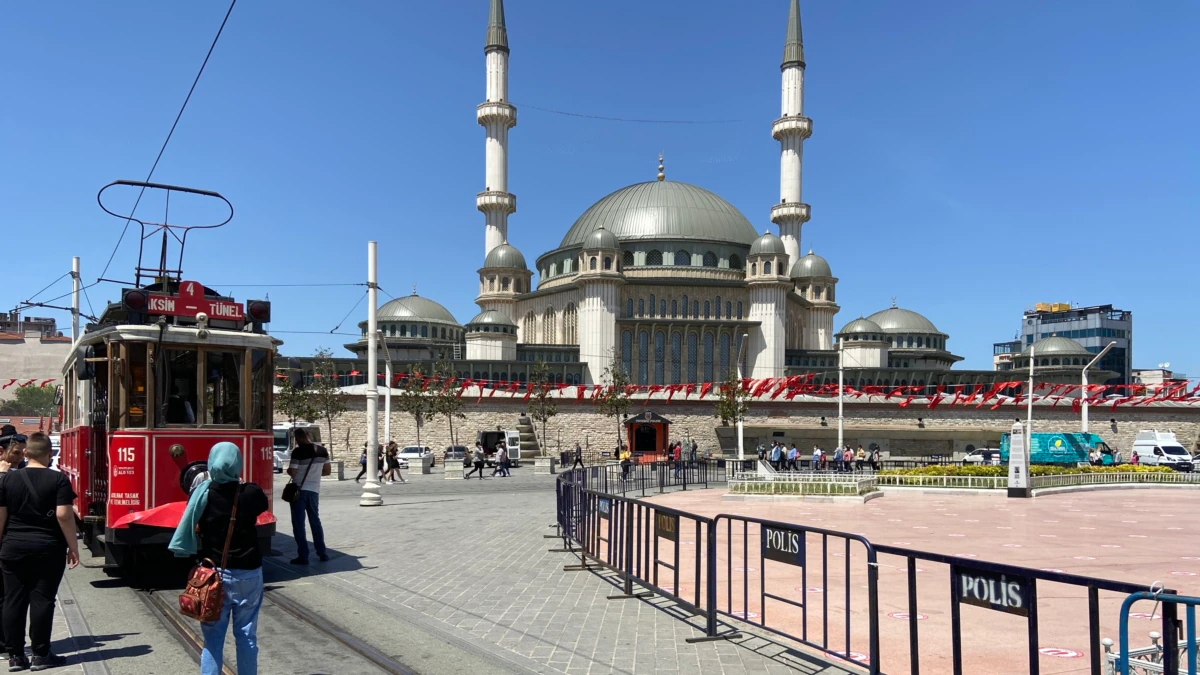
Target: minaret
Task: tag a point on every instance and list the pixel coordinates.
(790, 130)
(497, 116)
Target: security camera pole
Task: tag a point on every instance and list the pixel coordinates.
(1083, 393)
(370, 495)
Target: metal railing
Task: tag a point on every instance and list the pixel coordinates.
(971, 482)
(1100, 478)
(801, 484)
(1165, 658)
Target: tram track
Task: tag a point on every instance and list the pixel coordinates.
(287, 632)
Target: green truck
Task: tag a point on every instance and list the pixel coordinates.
(1068, 449)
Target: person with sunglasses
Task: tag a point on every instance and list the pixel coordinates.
(12, 449)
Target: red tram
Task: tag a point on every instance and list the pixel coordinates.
(165, 373)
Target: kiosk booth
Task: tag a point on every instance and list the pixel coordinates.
(647, 435)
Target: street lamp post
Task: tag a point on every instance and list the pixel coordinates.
(1029, 415)
(1083, 393)
(841, 372)
(370, 494)
(740, 425)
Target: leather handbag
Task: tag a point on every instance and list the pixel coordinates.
(204, 594)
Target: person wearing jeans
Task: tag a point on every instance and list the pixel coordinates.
(224, 509)
(309, 463)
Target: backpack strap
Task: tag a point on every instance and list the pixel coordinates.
(237, 497)
(30, 494)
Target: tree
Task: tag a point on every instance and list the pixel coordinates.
(614, 398)
(327, 402)
(294, 402)
(541, 406)
(733, 402)
(32, 401)
(413, 399)
(445, 400)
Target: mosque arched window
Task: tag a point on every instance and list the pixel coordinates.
(528, 327)
(723, 355)
(685, 306)
(660, 348)
(662, 308)
(629, 307)
(718, 307)
(766, 267)
(710, 259)
(553, 269)
(424, 331)
(641, 307)
(729, 310)
(1054, 361)
(443, 333)
(491, 283)
(651, 304)
(504, 283)
(643, 373)
(570, 325)
(627, 351)
(920, 342)
(592, 263)
(607, 263)
(696, 309)
(708, 357)
(412, 330)
(910, 341)
(674, 308)
(735, 262)
(753, 269)
(549, 327)
(627, 258)
(707, 312)
(676, 357)
(816, 292)
(683, 258)
(654, 257)
(739, 309)
(692, 357)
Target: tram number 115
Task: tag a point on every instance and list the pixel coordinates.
(127, 455)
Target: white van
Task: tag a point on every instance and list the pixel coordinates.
(1160, 448)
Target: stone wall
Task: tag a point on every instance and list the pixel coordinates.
(943, 430)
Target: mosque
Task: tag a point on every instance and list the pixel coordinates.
(665, 280)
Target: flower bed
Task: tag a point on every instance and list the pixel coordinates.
(1034, 470)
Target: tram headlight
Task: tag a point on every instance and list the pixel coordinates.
(192, 475)
(259, 311)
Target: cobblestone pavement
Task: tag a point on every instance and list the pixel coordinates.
(466, 561)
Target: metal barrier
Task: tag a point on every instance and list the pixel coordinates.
(801, 484)
(969, 482)
(761, 573)
(1165, 658)
(1103, 478)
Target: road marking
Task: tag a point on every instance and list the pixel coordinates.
(1144, 615)
(1013, 546)
(966, 555)
(903, 616)
(854, 656)
(1183, 574)
(743, 615)
(1085, 557)
(1060, 653)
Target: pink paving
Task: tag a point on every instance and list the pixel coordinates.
(1132, 536)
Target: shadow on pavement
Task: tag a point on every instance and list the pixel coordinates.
(92, 648)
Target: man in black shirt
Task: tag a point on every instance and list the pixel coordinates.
(38, 523)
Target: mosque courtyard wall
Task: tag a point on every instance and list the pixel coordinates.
(943, 430)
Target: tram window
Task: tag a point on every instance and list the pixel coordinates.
(133, 385)
(177, 382)
(260, 389)
(222, 387)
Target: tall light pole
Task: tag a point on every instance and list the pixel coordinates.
(841, 371)
(1083, 393)
(740, 426)
(1029, 422)
(387, 396)
(370, 495)
(75, 299)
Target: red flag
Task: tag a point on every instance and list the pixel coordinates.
(353, 373)
(893, 392)
(905, 402)
(26, 384)
(687, 391)
(462, 388)
(779, 390)
(1077, 405)
(11, 382)
(580, 389)
(46, 382)
(631, 389)
(705, 388)
(671, 392)
(746, 384)
(937, 396)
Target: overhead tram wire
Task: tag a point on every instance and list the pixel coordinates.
(362, 297)
(169, 135)
(622, 119)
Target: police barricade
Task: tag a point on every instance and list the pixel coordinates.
(1157, 658)
(944, 597)
(812, 585)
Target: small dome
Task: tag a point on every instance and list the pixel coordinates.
(1057, 346)
(768, 244)
(811, 265)
(491, 317)
(505, 256)
(600, 238)
(415, 307)
(860, 326)
(897, 320)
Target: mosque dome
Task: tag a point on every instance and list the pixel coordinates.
(811, 265)
(414, 307)
(504, 256)
(663, 210)
(600, 238)
(898, 320)
(1057, 346)
(861, 326)
(768, 244)
(491, 317)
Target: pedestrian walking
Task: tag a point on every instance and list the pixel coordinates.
(875, 458)
(762, 452)
(824, 460)
(389, 453)
(362, 462)
(38, 523)
(310, 462)
(380, 461)
(219, 524)
(792, 458)
(626, 461)
(860, 458)
(816, 458)
(578, 457)
(478, 461)
(677, 456)
(776, 456)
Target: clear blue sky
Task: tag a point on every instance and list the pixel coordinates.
(970, 158)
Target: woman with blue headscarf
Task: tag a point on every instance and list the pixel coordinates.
(201, 533)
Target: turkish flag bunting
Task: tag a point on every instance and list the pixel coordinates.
(705, 388)
(11, 382)
(46, 382)
(671, 391)
(631, 389)
(1077, 405)
(937, 396)
(905, 402)
(762, 386)
(580, 389)
(746, 383)
(26, 384)
(687, 391)
(894, 392)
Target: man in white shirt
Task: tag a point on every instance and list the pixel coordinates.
(309, 463)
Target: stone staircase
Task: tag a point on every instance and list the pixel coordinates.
(529, 442)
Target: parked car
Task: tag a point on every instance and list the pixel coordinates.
(415, 452)
(455, 453)
(284, 441)
(976, 456)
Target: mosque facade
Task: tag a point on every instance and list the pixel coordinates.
(664, 280)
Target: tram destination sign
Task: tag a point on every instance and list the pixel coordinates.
(984, 588)
(783, 545)
(191, 301)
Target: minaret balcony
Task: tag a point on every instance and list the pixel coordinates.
(790, 212)
(502, 202)
(794, 125)
(495, 111)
